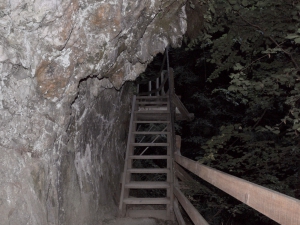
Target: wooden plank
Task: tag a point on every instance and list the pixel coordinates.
(149, 170)
(177, 144)
(171, 139)
(148, 185)
(150, 116)
(179, 117)
(153, 111)
(184, 112)
(158, 214)
(152, 103)
(156, 90)
(193, 213)
(152, 121)
(178, 215)
(151, 97)
(279, 207)
(182, 174)
(150, 144)
(149, 157)
(177, 212)
(157, 86)
(152, 106)
(151, 132)
(150, 201)
(149, 87)
(124, 194)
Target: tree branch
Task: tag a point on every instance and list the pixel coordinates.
(272, 39)
(258, 121)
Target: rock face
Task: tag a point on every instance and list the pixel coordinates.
(64, 108)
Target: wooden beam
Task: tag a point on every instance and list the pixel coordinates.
(177, 143)
(156, 90)
(281, 208)
(184, 112)
(150, 87)
(189, 208)
(183, 175)
(124, 193)
(177, 212)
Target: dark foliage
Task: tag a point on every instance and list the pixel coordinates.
(240, 77)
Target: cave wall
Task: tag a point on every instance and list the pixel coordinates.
(94, 157)
(64, 108)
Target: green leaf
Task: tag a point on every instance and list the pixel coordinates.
(297, 40)
(244, 2)
(232, 2)
(238, 66)
(292, 36)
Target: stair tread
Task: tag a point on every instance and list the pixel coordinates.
(151, 121)
(152, 111)
(152, 107)
(149, 157)
(146, 201)
(150, 144)
(149, 170)
(151, 132)
(151, 97)
(147, 185)
(151, 103)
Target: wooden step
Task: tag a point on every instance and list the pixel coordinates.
(152, 112)
(152, 103)
(155, 106)
(149, 157)
(147, 185)
(158, 214)
(149, 144)
(149, 170)
(150, 201)
(152, 97)
(152, 121)
(151, 132)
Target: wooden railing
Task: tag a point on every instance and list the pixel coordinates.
(163, 85)
(281, 208)
(161, 81)
(278, 207)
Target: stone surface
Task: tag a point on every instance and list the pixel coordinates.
(64, 109)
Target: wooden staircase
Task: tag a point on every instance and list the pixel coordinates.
(148, 176)
(154, 146)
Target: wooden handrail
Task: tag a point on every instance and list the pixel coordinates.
(278, 207)
(130, 140)
(150, 79)
(156, 90)
(186, 115)
(192, 211)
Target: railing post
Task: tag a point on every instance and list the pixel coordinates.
(172, 112)
(162, 78)
(157, 86)
(149, 87)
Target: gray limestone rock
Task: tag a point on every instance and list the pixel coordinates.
(64, 108)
